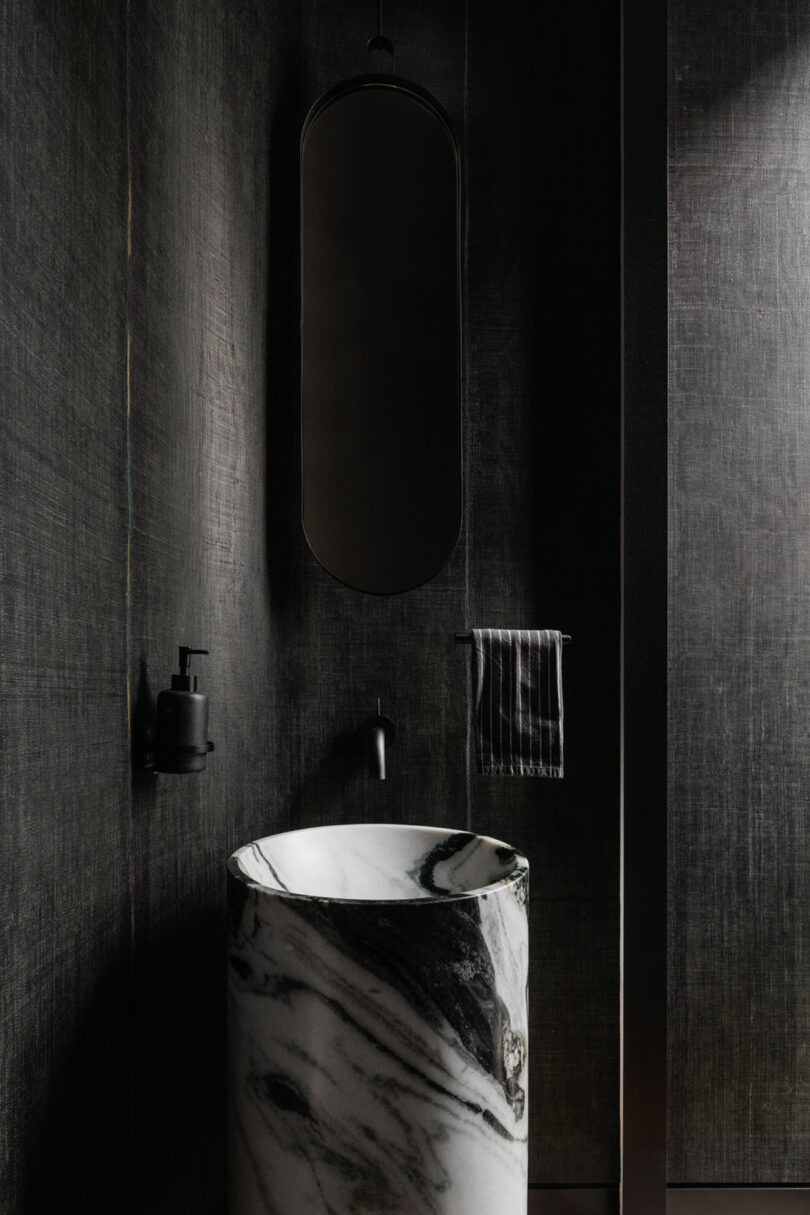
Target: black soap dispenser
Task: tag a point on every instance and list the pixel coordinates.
(181, 726)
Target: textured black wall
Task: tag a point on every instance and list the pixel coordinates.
(740, 605)
(198, 139)
(65, 911)
(150, 488)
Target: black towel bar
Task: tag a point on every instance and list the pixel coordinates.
(467, 638)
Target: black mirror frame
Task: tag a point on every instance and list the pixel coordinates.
(423, 98)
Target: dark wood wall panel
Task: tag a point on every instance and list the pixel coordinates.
(64, 906)
(740, 606)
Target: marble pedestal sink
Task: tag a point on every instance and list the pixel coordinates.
(378, 1023)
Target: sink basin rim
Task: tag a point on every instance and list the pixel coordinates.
(518, 873)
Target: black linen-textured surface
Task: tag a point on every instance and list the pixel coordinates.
(739, 621)
(151, 498)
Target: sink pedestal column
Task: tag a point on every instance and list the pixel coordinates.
(378, 1050)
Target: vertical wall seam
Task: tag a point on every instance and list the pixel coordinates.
(465, 220)
(128, 381)
(132, 1062)
(622, 579)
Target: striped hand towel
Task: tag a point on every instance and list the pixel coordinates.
(518, 701)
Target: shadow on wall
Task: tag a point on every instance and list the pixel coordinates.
(75, 1161)
(179, 1068)
(90, 1154)
(754, 39)
(135, 1115)
(143, 727)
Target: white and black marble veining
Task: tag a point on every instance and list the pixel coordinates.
(378, 1053)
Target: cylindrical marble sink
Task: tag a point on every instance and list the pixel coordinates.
(378, 1023)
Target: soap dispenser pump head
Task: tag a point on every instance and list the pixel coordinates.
(184, 681)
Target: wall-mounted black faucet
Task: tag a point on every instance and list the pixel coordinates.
(378, 733)
(181, 726)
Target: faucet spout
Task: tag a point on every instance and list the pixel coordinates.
(379, 734)
(377, 737)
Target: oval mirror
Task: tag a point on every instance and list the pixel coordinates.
(380, 335)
